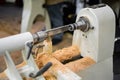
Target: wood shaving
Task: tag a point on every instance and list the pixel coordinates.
(66, 53)
(80, 64)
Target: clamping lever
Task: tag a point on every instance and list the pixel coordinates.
(41, 71)
(30, 45)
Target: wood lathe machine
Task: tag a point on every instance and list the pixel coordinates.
(94, 33)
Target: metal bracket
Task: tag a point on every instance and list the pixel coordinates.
(11, 71)
(30, 62)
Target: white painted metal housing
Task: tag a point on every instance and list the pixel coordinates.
(97, 43)
(15, 42)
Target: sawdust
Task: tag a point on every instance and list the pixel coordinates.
(80, 64)
(47, 46)
(3, 75)
(43, 59)
(60, 55)
(66, 53)
(48, 76)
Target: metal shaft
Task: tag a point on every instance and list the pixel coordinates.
(82, 24)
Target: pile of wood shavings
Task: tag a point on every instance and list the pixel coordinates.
(80, 64)
(66, 53)
(57, 65)
(60, 55)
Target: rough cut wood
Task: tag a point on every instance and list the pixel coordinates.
(60, 55)
(80, 64)
(56, 58)
(66, 53)
(56, 69)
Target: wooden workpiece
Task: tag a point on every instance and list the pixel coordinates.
(48, 56)
(59, 56)
(66, 53)
(56, 70)
(80, 64)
